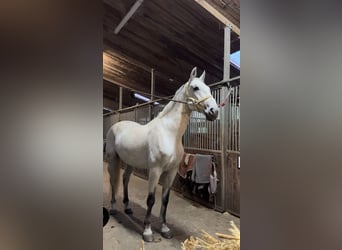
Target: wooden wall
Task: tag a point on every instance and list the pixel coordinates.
(233, 184)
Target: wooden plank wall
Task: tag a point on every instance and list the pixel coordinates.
(233, 184)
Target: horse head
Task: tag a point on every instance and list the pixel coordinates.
(199, 96)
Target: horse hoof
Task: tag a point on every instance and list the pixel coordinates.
(167, 235)
(128, 211)
(113, 212)
(105, 216)
(148, 237)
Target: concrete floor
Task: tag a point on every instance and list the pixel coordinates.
(185, 218)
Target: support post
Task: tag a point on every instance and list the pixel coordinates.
(226, 58)
(120, 98)
(152, 94)
(152, 84)
(224, 121)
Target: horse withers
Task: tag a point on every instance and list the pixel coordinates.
(157, 146)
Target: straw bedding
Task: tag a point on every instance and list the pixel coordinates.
(207, 242)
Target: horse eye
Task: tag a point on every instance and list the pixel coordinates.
(196, 88)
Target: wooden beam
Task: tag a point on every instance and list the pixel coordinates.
(129, 14)
(218, 15)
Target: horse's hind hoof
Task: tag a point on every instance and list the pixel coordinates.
(148, 237)
(105, 216)
(167, 235)
(113, 212)
(128, 211)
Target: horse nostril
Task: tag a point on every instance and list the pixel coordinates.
(213, 112)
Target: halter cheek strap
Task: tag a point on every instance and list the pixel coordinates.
(194, 101)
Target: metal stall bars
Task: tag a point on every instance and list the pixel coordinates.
(206, 137)
(234, 121)
(201, 134)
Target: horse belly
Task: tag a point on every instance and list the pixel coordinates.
(132, 150)
(133, 159)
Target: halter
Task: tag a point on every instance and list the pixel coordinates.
(194, 101)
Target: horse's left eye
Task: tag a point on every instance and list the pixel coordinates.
(196, 88)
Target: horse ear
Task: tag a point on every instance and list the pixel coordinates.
(202, 76)
(193, 73)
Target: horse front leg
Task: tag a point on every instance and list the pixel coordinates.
(165, 230)
(154, 175)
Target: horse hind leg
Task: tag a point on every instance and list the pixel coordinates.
(165, 230)
(114, 165)
(125, 180)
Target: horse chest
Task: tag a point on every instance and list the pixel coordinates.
(165, 150)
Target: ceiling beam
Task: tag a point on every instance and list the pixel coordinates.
(207, 6)
(129, 14)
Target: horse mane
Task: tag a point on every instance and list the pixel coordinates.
(170, 105)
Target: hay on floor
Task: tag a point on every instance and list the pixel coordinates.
(206, 241)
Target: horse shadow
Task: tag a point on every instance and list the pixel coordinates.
(135, 223)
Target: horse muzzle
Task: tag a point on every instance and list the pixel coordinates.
(212, 114)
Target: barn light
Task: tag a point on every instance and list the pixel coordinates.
(143, 98)
(108, 109)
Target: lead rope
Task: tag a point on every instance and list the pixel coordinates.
(225, 100)
(191, 101)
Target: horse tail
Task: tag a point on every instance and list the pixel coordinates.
(114, 162)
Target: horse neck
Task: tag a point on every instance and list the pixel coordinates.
(176, 115)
